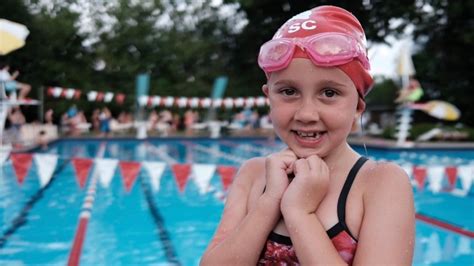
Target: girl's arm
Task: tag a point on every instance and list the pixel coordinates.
(387, 232)
(300, 201)
(241, 234)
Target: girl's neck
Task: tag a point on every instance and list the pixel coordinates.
(339, 156)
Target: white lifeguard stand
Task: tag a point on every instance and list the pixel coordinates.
(5, 104)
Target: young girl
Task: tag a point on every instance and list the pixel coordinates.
(317, 202)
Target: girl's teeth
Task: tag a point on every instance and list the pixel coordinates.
(311, 135)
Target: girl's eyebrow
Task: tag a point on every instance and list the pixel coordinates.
(284, 81)
(330, 82)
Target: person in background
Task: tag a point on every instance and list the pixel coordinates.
(316, 202)
(104, 118)
(10, 82)
(410, 94)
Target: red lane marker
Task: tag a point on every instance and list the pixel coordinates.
(445, 225)
(78, 241)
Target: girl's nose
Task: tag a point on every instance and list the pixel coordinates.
(307, 112)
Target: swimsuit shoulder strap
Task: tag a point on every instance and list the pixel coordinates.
(341, 203)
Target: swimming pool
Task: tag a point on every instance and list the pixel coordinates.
(116, 211)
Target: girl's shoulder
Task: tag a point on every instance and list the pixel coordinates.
(384, 177)
(249, 171)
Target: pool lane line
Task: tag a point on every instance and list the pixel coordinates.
(159, 151)
(22, 218)
(163, 234)
(444, 225)
(217, 153)
(85, 214)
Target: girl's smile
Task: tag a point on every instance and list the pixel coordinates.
(313, 108)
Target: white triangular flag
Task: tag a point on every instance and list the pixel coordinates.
(182, 102)
(250, 102)
(228, 103)
(108, 97)
(91, 96)
(46, 163)
(435, 178)
(169, 101)
(4, 153)
(260, 101)
(194, 102)
(57, 91)
(155, 101)
(70, 93)
(206, 102)
(466, 173)
(239, 102)
(155, 171)
(105, 169)
(143, 100)
(217, 102)
(202, 174)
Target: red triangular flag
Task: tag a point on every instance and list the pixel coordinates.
(120, 98)
(82, 167)
(227, 173)
(21, 165)
(181, 173)
(419, 173)
(77, 94)
(452, 173)
(130, 172)
(50, 90)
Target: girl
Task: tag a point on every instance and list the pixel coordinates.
(317, 202)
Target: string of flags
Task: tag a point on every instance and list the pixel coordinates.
(456, 180)
(105, 168)
(194, 102)
(92, 96)
(160, 101)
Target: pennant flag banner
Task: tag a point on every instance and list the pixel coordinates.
(202, 174)
(181, 173)
(130, 172)
(82, 168)
(21, 164)
(92, 96)
(434, 178)
(46, 164)
(194, 102)
(227, 174)
(105, 168)
(155, 171)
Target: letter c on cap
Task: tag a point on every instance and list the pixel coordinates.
(309, 25)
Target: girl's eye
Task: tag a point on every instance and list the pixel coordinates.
(288, 92)
(329, 93)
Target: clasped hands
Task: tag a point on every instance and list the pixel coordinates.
(305, 190)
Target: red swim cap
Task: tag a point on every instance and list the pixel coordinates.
(326, 19)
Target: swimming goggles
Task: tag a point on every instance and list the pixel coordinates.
(325, 49)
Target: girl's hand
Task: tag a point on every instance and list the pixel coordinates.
(309, 186)
(277, 167)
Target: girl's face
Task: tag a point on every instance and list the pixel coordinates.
(313, 109)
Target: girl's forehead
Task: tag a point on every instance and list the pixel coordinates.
(302, 70)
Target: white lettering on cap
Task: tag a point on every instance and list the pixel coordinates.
(305, 25)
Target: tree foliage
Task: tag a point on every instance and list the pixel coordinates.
(185, 45)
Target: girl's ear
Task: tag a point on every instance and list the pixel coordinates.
(265, 89)
(359, 110)
(360, 107)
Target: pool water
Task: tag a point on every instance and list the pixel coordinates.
(168, 217)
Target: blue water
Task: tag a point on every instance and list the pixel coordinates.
(167, 226)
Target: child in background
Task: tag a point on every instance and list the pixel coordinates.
(317, 202)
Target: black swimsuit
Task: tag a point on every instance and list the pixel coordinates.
(279, 249)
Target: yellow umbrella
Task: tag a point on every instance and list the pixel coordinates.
(12, 36)
(439, 109)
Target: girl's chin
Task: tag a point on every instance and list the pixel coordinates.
(305, 153)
